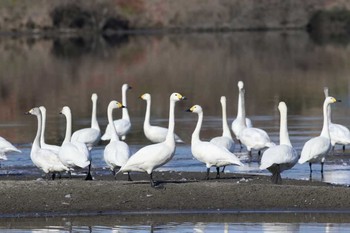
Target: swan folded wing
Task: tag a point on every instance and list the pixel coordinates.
(339, 134)
(214, 155)
(49, 161)
(121, 126)
(116, 153)
(149, 158)
(255, 138)
(74, 154)
(6, 146)
(281, 154)
(315, 149)
(223, 141)
(156, 133)
(87, 135)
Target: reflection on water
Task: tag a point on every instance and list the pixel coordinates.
(275, 66)
(197, 223)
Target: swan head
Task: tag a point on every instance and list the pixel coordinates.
(240, 85)
(195, 109)
(331, 100)
(94, 97)
(145, 96)
(65, 110)
(34, 111)
(282, 106)
(115, 104)
(177, 97)
(126, 87)
(223, 99)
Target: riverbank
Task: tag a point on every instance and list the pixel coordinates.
(177, 191)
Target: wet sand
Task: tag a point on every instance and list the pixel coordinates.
(176, 191)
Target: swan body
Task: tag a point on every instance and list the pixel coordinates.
(225, 140)
(153, 133)
(208, 152)
(117, 152)
(73, 154)
(90, 136)
(44, 159)
(282, 157)
(123, 125)
(6, 147)
(316, 149)
(153, 156)
(237, 125)
(43, 144)
(340, 135)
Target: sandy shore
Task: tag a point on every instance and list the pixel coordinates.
(178, 191)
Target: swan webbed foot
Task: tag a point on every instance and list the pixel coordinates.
(88, 176)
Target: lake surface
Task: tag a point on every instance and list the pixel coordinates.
(275, 66)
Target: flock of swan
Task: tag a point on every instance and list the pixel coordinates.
(74, 153)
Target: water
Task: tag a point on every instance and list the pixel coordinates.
(275, 66)
(229, 222)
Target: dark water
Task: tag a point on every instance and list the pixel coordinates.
(275, 66)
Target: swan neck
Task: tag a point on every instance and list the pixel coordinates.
(284, 136)
(36, 143)
(241, 108)
(43, 123)
(325, 128)
(170, 135)
(114, 136)
(225, 129)
(68, 128)
(148, 113)
(125, 113)
(195, 134)
(94, 122)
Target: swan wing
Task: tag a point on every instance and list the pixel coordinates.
(339, 134)
(314, 149)
(255, 138)
(213, 155)
(87, 135)
(116, 154)
(74, 154)
(6, 146)
(225, 142)
(149, 157)
(122, 127)
(279, 155)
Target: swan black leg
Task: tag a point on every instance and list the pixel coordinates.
(223, 169)
(151, 180)
(53, 176)
(322, 163)
(207, 175)
(343, 148)
(129, 177)
(217, 173)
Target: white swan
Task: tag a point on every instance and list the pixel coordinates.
(316, 149)
(252, 138)
(225, 140)
(207, 152)
(155, 134)
(90, 136)
(122, 125)
(236, 125)
(153, 156)
(44, 159)
(117, 152)
(43, 144)
(74, 154)
(276, 159)
(339, 134)
(6, 147)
